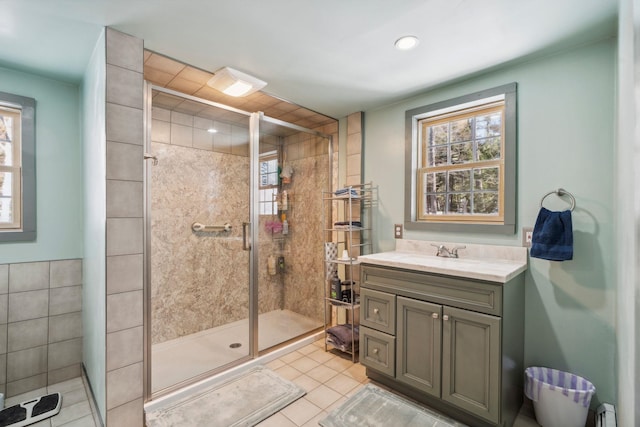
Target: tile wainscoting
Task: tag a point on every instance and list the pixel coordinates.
(40, 324)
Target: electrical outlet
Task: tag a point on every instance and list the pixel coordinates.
(397, 231)
(527, 235)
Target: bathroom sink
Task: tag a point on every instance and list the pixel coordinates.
(484, 262)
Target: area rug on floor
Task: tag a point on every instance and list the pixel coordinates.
(373, 406)
(244, 400)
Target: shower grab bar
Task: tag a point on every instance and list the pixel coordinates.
(245, 246)
(196, 226)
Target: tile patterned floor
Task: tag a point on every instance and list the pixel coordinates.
(77, 410)
(329, 379)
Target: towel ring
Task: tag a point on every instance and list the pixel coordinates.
(560, 192)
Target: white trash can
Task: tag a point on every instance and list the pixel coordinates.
(560, 399)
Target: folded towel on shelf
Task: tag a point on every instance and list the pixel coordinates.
(340, 336)
(552, 237)
(347, 224)
(347, 192)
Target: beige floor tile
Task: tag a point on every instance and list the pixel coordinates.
(277, 420)
(306, 382)
(275, 364)
(339, 364)
(19, 398)
(322, 373)
(72, 384)
(357, 372)
(86, 421)
(290, 357)
(304, 364)
(335, 405)
(321, 356)
(319, 342)
(342, 384)
(322, 396)
(354, 390)
(301, 411)
(72, 397)
(308, 349)
(71, 413)
(314, 422)
(288, 372)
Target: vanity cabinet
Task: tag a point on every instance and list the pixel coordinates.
(455, 344)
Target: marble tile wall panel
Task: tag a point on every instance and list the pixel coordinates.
(199, 279)
(303, 291)
(40, 312)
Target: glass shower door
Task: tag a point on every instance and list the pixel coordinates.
(198, 198)
(293, 169)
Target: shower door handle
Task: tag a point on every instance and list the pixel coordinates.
(245, 246)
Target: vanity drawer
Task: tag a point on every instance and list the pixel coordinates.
(378, 351)
(378, 310)
(470, 294)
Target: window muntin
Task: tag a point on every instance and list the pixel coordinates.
(268, 188)
(462, 165)
(10, 168)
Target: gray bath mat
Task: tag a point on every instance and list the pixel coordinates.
(373, 406)
(243, 400)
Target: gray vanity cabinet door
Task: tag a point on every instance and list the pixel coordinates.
(471, 362)
(418, 344)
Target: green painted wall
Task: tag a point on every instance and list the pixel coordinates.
(58, 169)
(95, 219)
(565, 139)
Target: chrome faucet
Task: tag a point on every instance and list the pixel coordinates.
(443, 251)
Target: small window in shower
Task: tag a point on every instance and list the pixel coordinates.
(268, 204)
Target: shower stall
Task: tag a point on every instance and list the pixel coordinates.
(233, 236)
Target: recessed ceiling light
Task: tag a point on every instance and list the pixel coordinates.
(212, 130)
(406, 42)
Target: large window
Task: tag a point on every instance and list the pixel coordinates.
(17, 168)
(463, 161)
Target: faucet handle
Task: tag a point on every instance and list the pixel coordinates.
(454, 251)
(439, 247)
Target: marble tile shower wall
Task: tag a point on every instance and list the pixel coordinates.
(305, 268)
(40, 324)
(199, 280)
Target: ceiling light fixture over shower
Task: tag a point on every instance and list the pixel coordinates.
(235, 83)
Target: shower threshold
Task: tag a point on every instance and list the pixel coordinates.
(187, 357)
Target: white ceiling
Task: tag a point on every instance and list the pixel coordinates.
(332, 56)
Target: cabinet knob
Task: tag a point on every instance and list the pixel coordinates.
(434, 315)
(375, 351)
(445, 317)
(376, 310)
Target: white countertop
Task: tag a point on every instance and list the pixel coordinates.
(483, 262)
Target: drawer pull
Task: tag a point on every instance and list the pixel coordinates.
(376, 351)
(445, 317)
(434, 315)
(376, 310)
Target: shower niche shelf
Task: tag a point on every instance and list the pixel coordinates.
(347, 219)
